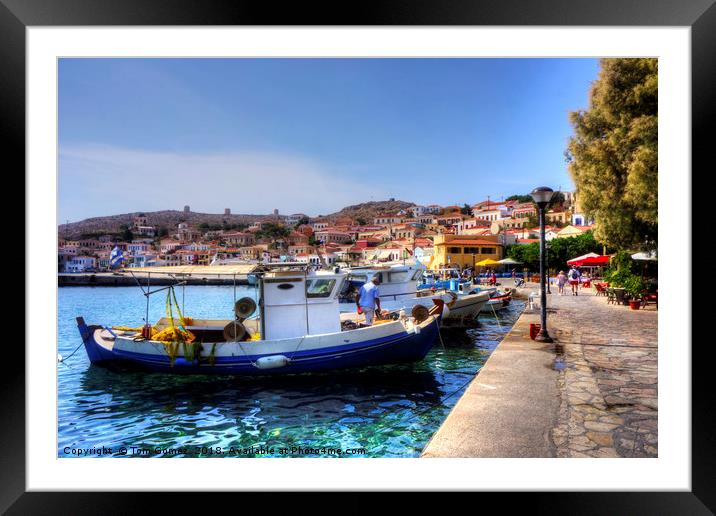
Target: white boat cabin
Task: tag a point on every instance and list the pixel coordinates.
(295, 303)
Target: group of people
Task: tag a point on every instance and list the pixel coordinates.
(573, 276)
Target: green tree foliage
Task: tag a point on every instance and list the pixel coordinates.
(273, 230)
(126, 234)
(613, 153)
(559, 251)
(519, 198)
(303, 220)
(557, 201)
(466, 209)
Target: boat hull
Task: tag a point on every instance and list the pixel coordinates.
(465, 309)
(376, 347)
(496, 304)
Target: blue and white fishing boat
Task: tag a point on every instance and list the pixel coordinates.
(297, 330)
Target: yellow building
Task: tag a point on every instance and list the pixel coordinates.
(563, 217)
(451, 250)
(572, 231)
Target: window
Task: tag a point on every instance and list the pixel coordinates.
(488, 250)
(472, 250)
(397, 277)
(454, 250)
(320, 287)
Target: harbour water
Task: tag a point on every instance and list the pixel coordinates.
(387, 411)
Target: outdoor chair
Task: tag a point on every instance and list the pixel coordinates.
(649, 297)
(619, 296)
(611, 297)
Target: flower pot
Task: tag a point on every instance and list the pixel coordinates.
(534, 330)
(635, 304)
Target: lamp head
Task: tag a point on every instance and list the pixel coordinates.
(542, 195)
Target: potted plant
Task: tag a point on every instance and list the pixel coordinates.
(634, 288)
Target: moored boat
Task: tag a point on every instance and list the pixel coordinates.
(298, 329)
(397, 280)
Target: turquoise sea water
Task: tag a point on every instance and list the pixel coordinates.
(388, 411)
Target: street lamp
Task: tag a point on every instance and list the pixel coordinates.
(542, 195)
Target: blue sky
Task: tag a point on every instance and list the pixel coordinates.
(310, 135)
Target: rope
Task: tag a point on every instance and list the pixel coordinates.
(68, 356)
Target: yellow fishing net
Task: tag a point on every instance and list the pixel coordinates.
(173, 336)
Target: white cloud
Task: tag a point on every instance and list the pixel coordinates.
(104, 180)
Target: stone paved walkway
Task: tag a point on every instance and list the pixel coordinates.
(608, 378)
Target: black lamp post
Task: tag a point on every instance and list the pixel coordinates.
(542, 195)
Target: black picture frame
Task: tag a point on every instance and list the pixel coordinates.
(17, 15)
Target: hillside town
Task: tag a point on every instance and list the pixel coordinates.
(437, 236)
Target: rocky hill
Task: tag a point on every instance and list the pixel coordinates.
(168, 219)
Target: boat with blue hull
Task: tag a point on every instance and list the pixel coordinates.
(298, 330)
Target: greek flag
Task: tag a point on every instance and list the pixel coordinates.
(115, 257)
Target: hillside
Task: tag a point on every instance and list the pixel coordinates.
(161, 219)
(368, 210)
(170, 218)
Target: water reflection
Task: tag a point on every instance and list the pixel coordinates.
(390, 411)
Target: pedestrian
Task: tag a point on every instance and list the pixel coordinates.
(493, 278)
(368, 300)
(561, 281)
(574, 276)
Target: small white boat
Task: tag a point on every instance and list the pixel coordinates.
(499, 300)
(396, 280)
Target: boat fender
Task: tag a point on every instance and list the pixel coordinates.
(183, 362)
(417, 329)
(272, 362)
(446, 311)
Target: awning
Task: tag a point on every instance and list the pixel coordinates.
(509, 261)
(596, 260)
(574, 261)
(487, 261)
(590, 261)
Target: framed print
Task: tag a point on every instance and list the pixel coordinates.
(298, 251)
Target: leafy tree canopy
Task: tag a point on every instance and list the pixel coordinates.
(519, 198)
(613, 153)
(558, 252)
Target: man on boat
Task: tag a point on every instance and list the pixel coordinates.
(367, 299)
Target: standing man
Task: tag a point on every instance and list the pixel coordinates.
(367, 299)
(573, 276)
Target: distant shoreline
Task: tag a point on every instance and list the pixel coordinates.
(108, 279)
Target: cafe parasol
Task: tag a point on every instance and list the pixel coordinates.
(509, 261)
(577, 261)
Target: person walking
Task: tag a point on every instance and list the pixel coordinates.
(368, 300)
(574, 276)
(561, 281)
